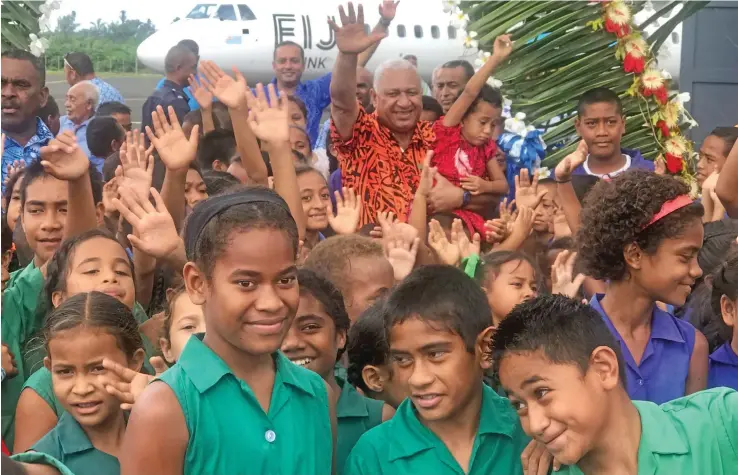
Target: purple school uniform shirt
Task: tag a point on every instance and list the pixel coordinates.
(662, 374)
(723, 370)
(635, 160)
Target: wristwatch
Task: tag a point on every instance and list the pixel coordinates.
(467, 198)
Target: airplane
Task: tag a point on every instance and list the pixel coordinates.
(244, 35)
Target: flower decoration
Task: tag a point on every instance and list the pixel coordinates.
(449, 6)
(37, 45)
(469, 41)
(617, 18)
(636, 50)
(496, 83)
(543, 173)
(481, 58)
(459, 19)
(654, 85)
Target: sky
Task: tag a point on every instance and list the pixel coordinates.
(161, 12)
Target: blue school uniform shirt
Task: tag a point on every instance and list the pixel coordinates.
(13, 151)
(107, 92)
(723, 370)
(316, 94)
(633, 159)
(80, 131)
(662, 374)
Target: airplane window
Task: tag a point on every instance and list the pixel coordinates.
(418, 31)
(204, 10)
(435, 32)
(451, 33)
(226, 12)
(401, 31)
(366, 28)
(246, 13)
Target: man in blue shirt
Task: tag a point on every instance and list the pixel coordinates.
(81, 103)
(289, 65)
(24, 92)
(78, 67)
(179, 64)
(195, 48)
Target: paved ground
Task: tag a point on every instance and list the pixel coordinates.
(135, 90)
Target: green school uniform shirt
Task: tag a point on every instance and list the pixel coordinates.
(37, 458)
(356, 414)
(404, 446)
(230, 434)
(69, 444)
(19, 321)
(693, 435)
(16, 274)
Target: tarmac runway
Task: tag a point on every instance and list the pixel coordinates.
(134, 88)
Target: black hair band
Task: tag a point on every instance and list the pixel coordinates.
(207, 210)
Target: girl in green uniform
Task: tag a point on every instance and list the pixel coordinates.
(316, 340)
(78, 335)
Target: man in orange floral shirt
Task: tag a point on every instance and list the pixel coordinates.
(380, 154)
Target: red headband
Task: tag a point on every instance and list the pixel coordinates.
(669, 207)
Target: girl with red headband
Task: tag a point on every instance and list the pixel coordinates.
(641, 233)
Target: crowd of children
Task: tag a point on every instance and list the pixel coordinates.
(211, 304)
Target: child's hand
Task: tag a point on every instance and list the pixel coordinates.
(473, 184)
(131, 383)
(459, 237)
(524, 221)
(570, 163)
(63, 159)
(446, 251)
(229, 91)
(537, 460)
(495, 230)
(502, 48)
(710, 183)
(506, 210)
(402, 255)
(175, 150)
(427, 175)
(659, 166)
(136, 169)
(348, 212)
(13, 169)
(200, 92)
(154, 230)
(562, 275)
(527, 193)
(8, 362)
(269, 120)
(110, 191)
(560, 225)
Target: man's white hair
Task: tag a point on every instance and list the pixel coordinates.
(90, 91)
(393, 64)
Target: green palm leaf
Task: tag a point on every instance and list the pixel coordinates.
(19, 19)
(558, 56)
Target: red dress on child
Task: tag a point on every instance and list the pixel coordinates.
(456, 158)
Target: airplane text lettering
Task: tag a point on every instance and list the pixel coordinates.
(284, 29)
(316, 63)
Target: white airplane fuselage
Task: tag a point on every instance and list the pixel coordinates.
(249, 44)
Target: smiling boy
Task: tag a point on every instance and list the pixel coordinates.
(564, 374)
(437, 322)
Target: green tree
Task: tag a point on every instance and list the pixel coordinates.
(67, 24)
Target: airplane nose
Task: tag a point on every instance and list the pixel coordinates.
(151, 52)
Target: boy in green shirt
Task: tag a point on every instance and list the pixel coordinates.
(564, 374)
(438, 328)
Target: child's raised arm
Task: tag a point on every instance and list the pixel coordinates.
(418, 214)
(567, 195)
(727, 185)
(232, 93)
(502, 49)
(205, 99)
(270, 122)
(177, 152)
(64, 160)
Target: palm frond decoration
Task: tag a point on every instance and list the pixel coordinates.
(23, 24)
(566, 48)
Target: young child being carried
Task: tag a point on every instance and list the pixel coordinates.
(464, 151)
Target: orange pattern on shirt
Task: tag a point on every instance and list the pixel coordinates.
(374, 165)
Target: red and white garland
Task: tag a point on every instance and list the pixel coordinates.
(650, 85)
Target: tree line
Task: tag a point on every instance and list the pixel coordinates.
(111, 46)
